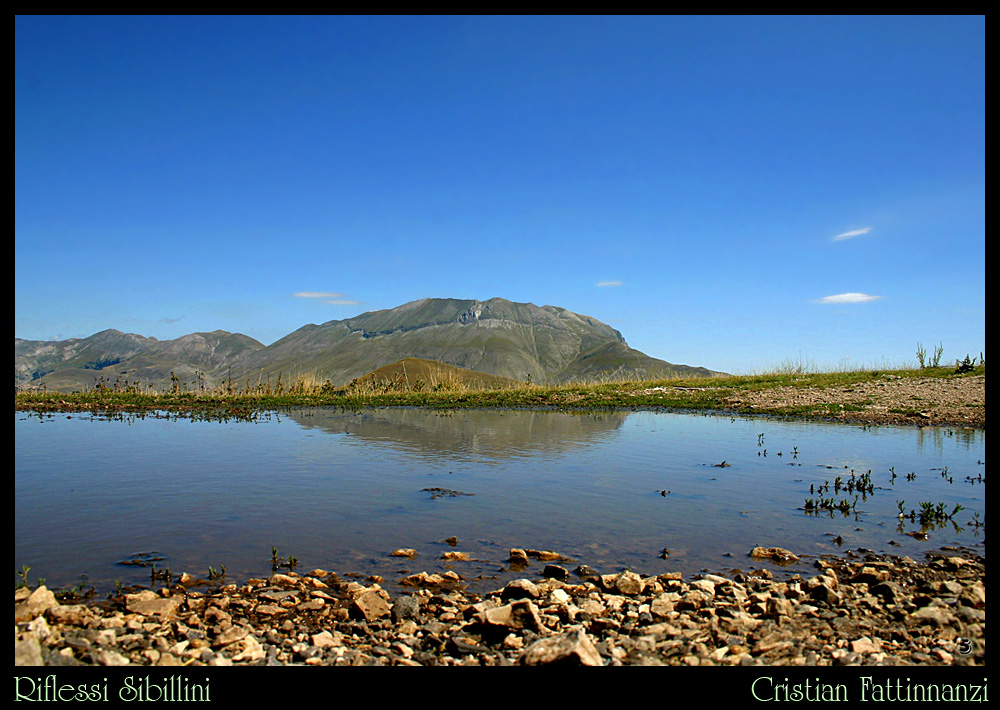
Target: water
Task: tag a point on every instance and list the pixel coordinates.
(339, 490)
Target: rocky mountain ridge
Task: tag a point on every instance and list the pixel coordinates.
(519, 341)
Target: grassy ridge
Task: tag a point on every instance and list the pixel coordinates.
(705, 393)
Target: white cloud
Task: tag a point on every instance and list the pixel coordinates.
(317, 294)
(848, 298)
(853, 233)
(609, 283)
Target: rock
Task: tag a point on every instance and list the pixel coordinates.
(284, 580)
(889, 592)
(704, 585)
(821, 589)
(559, 596)
(935, 616)
(248, 650)
(518, 558)
(403, 552)
(371, 605)
(627, 582)
(555, 572)
(870, 576)
(547, 556)
(864, 646)
(149, 603)
(521, 589)
(37, 602)
(973, 595)
(572, 647)
(405, 608)
(423, 579)
(231, 635)
(694, 599)
(28, 652)
(775, 554)
(324, 639)
(778, 606)
(521, 614)
(73, 614)
(663, 604)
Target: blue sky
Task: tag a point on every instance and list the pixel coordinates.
(732, 192)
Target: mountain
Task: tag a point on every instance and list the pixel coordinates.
(80, 363)
(519, 341)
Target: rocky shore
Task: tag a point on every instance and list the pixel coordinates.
(860, 609)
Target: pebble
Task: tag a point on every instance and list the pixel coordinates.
(866, 610)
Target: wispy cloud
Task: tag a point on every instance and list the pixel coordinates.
(318, 294)
(851, 234)
(848, 298)
(333, 299)
(609, 283)
(171, 321)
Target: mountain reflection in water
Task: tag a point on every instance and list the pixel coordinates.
(491, 435)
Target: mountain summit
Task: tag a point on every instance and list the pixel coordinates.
(520, 341)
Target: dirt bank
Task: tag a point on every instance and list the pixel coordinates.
(958, 401)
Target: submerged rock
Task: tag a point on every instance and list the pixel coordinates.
(774, 554)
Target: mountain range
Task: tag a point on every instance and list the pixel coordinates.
(519, 341)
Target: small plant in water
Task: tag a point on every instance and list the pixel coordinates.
(163, 575)
(277, 562)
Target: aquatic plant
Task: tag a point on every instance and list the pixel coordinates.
(163, 575)
(930, 512)
(830, 505)
(277, 563)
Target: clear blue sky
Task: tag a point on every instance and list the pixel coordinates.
(731, 192)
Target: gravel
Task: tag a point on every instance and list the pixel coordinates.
(861, 609)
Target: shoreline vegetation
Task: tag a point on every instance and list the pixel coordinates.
(946, 396)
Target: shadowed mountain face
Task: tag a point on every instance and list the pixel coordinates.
(520, 341)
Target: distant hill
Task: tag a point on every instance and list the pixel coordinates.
(80, 363)
(415, 374)
(517, 341)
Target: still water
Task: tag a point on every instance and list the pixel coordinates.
(340, 490)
